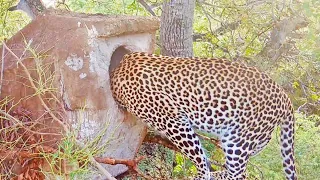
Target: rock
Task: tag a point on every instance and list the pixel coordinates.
(80, 50)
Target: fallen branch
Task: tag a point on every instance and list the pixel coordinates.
(131, 163)
(152, 138)
(102, 169)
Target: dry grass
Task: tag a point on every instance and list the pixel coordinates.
(25, 151)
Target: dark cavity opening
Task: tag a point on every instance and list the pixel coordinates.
(117, 57)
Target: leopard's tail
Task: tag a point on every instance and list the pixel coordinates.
(287, 146)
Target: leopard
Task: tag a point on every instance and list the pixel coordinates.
(238, 104)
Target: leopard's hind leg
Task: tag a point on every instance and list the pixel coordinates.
(179, 131)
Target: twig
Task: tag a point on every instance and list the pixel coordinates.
(26, 154)
(102, 169)
(131, 162)
(214, 141)
(260, 172)
(63, 2)
(2, 69)
(147, 7)
(66, 129)
(302, 106)
(152, 138)
(218, 164)
(209, 21)
(22, 125)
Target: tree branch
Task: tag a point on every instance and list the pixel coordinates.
(2, 69)
(213, 140)
(153, 138)
(102, 169)
(147, 7)
(278, 43)
(131, 163)
(32, 7)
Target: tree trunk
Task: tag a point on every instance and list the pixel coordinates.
(176, 40)
(176, 28)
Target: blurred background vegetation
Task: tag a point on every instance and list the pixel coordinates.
(280, 37)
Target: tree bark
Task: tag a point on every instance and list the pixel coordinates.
(176, 28)
(176, 40)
